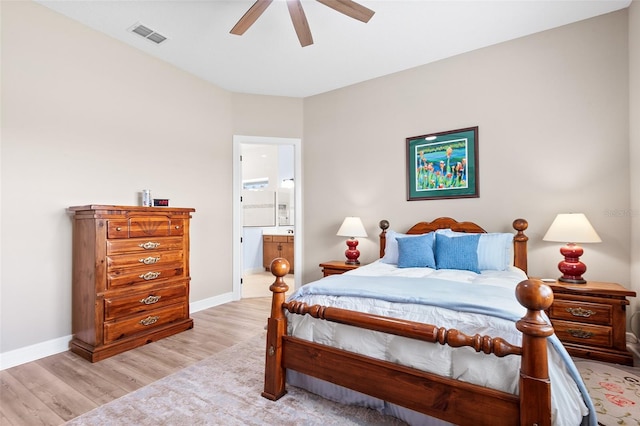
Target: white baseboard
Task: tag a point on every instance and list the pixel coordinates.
(203, 304)
(33, 352)
(55, 346)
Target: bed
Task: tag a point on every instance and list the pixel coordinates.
(432, 339)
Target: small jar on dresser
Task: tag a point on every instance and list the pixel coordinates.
(130, 277)
(590, 320)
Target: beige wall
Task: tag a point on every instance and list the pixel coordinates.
(87, 119)
(634, 153)
(255, 115)
(552, 111)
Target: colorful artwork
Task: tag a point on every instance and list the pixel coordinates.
(443, 165)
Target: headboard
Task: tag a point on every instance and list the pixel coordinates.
(519, 239)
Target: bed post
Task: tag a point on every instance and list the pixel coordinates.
(274, 373)
(535, 386)
(520, 244)
(384, 225)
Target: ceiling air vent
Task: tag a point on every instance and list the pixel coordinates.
(147, 33)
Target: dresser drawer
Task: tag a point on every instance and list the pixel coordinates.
(144, 301)
(141, 245)
(143, 322)
(177, 227)
(585, 312)
(137, 227)
(158, 258)
(584, 334)
(277, 238)
(118, 278)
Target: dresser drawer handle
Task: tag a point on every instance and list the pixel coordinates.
(150, 276)
(150, 320)
(150, 300)
(177, 226)
(118, 229)
(149, 245)
(580, 334)
(581, 312)
(149, 260)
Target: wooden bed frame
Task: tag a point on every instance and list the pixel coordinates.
(445, 398)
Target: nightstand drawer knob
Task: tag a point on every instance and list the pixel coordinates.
(581, 312)
(580, 334)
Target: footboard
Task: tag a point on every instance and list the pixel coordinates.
(445, 398)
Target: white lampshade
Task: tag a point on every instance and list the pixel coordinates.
(352, 227)
(571, 228)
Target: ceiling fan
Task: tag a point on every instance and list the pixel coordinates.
(299, 19)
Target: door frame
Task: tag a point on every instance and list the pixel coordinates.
(238, 141)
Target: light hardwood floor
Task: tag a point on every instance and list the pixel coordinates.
(257, 285)
(53, 390)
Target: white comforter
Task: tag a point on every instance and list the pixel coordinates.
(459, 363)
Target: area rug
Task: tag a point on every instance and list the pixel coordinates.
(224, 389)
(615, 392)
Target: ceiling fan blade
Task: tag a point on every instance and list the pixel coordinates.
(300, 23)
(250, 17)
(350, 8)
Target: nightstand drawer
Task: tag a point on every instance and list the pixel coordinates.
(584, 334)
(585, 312)
(336, 267)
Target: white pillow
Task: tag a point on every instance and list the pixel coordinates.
(391, 247)
(495, 250)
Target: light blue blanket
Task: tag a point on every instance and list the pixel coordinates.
(488, 300)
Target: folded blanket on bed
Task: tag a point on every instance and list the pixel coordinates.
(459, 296)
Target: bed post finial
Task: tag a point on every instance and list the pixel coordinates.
(535, 386)
(274, 373)
(520, 244)
(384, 225)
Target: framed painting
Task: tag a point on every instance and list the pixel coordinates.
(443, 165)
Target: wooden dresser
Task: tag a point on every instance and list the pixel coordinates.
(130, 277)
(277, 246)
(590, 320)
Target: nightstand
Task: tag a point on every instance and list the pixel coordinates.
(335, 267)
(590, 320)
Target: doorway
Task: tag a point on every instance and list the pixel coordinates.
(267, 201)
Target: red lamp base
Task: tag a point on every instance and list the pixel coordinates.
(352, 252)
(571, 267)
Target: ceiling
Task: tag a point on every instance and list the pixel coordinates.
(269, 60)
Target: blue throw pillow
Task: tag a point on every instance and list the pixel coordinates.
(416, 252)
(495, 250)
(391, 246)
(457, 252)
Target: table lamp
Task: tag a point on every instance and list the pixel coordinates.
(352, 227)
(573, 227)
